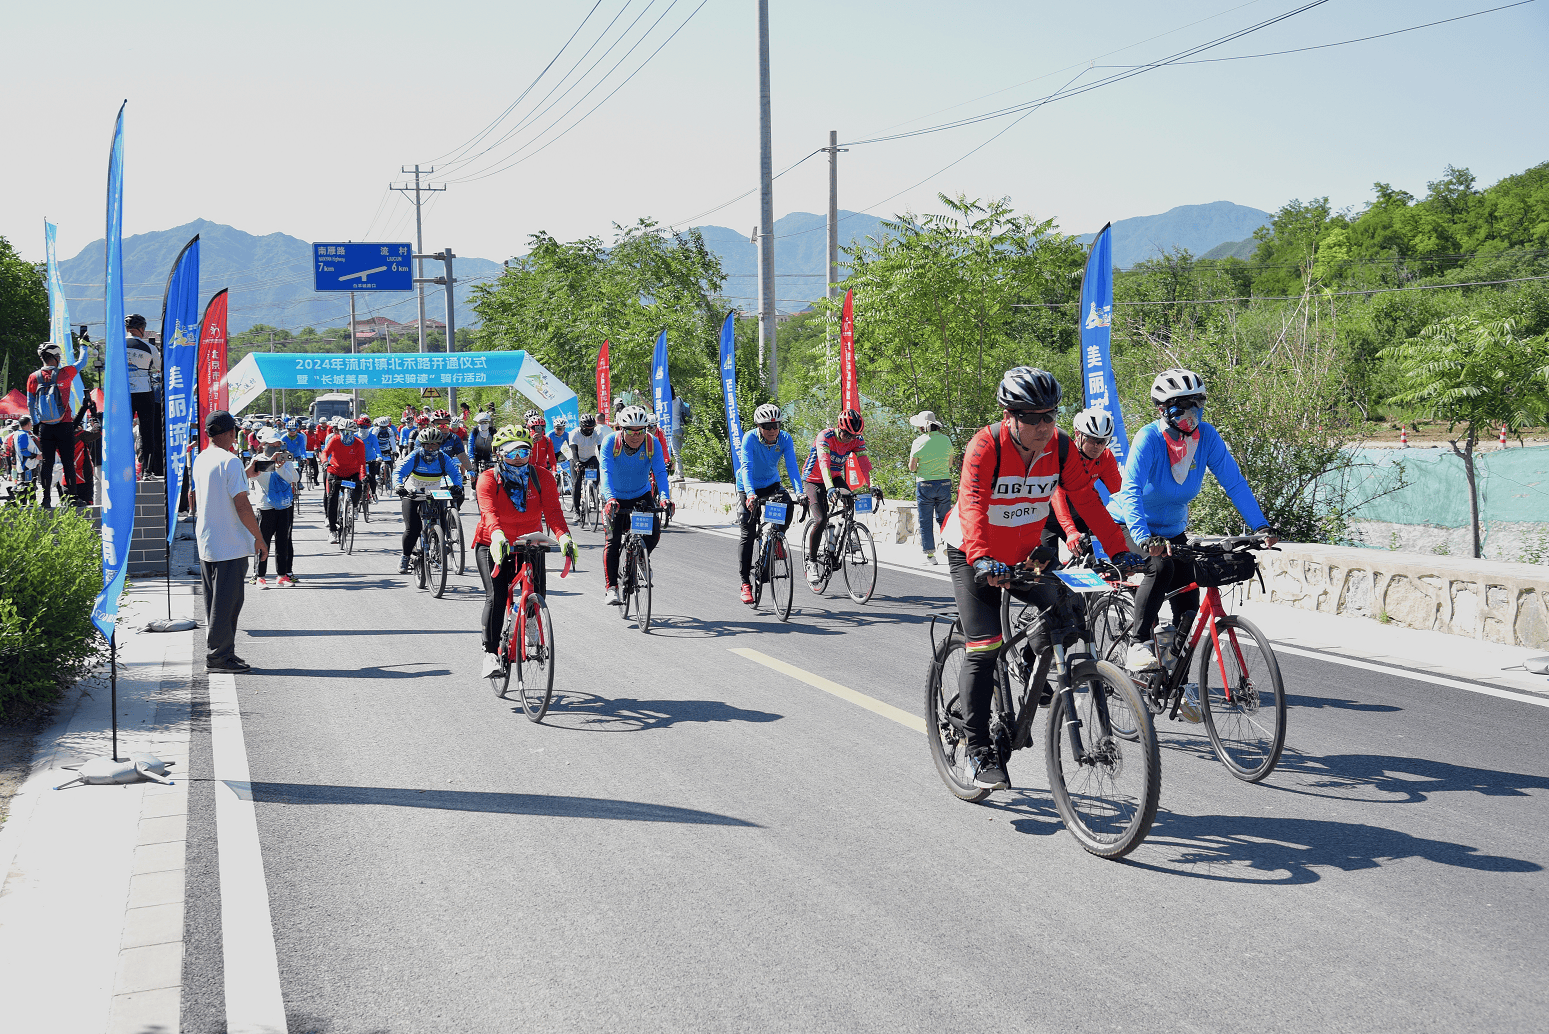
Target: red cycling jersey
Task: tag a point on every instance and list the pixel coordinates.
(344, 459)
(1001, 508)
(1105, 469)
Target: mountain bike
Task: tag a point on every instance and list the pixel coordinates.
(591, 501)
(527, 637)
(311, 469)
(772, 557)
(847, 548)
(1104, 784)
(429, 559)
(635, 567)
(1239, 695)
(367, 496)
(347, 516)
(456, 542)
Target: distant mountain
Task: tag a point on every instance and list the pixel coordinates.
(801, 250)
(1233, 249)
(1198, 228)
(269, 279)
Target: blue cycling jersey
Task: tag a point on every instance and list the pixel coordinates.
(626, 476)
(296, 445)
(1154, 501)
(373, 447)
(428, 471)
(761, 462)
(452, 444)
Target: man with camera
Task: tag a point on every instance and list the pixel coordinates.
(144, 376)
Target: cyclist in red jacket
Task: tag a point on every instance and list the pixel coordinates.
(344, 457)
(1094, 430)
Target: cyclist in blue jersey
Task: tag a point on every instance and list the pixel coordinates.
(373, 451)
(295, 440)
(421, 471)
(758, 482)
(630, 457)
(452, 445)
(1163, 474)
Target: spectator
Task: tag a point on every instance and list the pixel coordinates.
(227, 532)
(87, 431)
(144, 378)
(467, 414)
(930, 457)
(23, 448)
(273, 477)
(48, 403)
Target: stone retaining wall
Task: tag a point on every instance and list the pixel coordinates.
(1481, 599)
(892, 522)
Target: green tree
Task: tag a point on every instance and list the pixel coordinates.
(23, 315)
(1477, 375)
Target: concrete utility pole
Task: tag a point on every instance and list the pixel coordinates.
(445, 258)
(766, 271)
(419, 234)
(355, 393)
(272, 411)
(834, 150)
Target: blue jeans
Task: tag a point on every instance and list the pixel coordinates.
(932, 499)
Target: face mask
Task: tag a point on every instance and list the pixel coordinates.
(1186, 419)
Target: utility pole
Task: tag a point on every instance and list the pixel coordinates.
(766, 272)
(832, 292)
(355, 393)
(445, 257)
(272, 411)
(419, 234)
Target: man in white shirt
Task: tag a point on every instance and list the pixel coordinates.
(227, 532)
(144, 378)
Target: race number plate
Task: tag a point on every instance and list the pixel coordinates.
(346, 484)
(642, 523)
(1083, 581)
(863, 503)
(309, 456)
(774, 513)
(591, 473)
(440, 493)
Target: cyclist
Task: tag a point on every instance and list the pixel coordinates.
(515, 498)
(823, 477)
(453, 447)
(585, 441)
(344, 458)
(460, 429)
(758, 482)
(406, 432)
(482, 440)
(424, 467)
(373, 452)
(295, 441)
(542, 449)
(560, 436)
(1093, 430)
(1010, 469)
(630, 459)
(1163, 474)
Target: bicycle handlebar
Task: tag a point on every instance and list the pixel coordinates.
(1228, 544)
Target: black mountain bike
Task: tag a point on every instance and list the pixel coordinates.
(429, 559)
(1104, 783)
(635, 567)
(847, 548)
(347, 514)
(772, 558)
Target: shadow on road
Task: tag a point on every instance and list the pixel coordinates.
(582, 712)
(374, 672)
(1293, 700)
(490, 803)
(802, 622)
(1388, 778)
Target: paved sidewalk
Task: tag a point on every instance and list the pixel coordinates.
(91, 905)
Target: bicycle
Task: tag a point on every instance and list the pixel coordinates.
(367, 497)
(429, 559)
(1106, 792)
(311, 470)
(347, 517)
(635, 567)
(456, 543)
(772, 559)
(1243, 709)
(847, 547)
(591, 501)
(527, 637)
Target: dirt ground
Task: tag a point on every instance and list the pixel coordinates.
(1423, 434)
(17, 734)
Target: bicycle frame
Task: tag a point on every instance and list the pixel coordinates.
(1209, 611)
(516, 648)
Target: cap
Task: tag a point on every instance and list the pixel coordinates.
(219, 422)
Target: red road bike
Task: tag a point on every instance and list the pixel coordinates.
(527, 637)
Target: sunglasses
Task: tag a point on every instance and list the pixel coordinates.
(769, 427)
(1028, 416)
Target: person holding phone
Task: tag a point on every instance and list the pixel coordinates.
(272, 477)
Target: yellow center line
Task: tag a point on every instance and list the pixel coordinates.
(902, 717)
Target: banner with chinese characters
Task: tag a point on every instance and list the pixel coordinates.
(604, 386)
(729, 384)
(212, 362)
(118, 462)
(1102, 391)
(179, 349)
(661, 385)
(849, 382)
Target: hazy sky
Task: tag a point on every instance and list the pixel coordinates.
(294, 117)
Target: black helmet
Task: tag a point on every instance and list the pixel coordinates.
(134, 321)
(588, 422)
(1028, 387)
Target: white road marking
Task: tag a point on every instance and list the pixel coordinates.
(1435, 680)
(253, 1001)
(923, 572)
(902, 717)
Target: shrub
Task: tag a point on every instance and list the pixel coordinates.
(48, 584)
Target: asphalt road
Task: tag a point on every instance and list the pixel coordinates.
(692, 841)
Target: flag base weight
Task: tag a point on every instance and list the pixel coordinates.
(172, 625)
(116, 771)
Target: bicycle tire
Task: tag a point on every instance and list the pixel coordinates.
(536, 669)
(1106, 820)
(347, 526)
(421, 566)
(948, 749)
(500, 682)
(760, 572)
(1109, 619)
(859, 555)
(782, 579)
(1249, 758)
(436, 561)
(643, 591)
(455, 539)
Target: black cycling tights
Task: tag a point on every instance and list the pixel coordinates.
(1163, 575)
(978, 606)
(497, 588)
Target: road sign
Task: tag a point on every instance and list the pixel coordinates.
(362, 267)
(425, 393)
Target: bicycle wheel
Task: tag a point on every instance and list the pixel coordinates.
(643, 590)
(346, 526)
(436, 561)
(1109, 619)
(858, 560)
(500, 682)
(365, 505)
(456, 543)
(536, 670)
(944, 719)
(782, 579)
(760, 572)
(1108, 799)
(1247, 730)
(422, 566)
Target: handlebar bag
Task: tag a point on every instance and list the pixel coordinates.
(1225, 568)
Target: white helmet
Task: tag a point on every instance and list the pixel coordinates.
(1095, 423)
(632, 418)
(1173, 384)
(650, 418)
(768, 413)
(483, 418)
(559, 422)
(382, 421)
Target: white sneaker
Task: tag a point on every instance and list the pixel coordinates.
(930, 558)
(1141, 657)
(262, 583)
(814, 572)
(1188, 707)
(491, 665)
(611, 597)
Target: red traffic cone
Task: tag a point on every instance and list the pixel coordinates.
(1503, 436)
(1403, 437)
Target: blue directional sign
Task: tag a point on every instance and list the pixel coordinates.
(363, 267)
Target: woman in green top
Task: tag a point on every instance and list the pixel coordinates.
(930, 457)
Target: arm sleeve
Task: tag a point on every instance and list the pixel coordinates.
(1223, 465)
(553, 512)
(236, 478)
(1108, 471)
(455, 471)
(974, 488)
(792, 466)
(32, 399)
(604, 467)
(1130, 494)
(1078, 485)
(743, 481)
(659, 466)
(1060, 504)
(486, 489)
